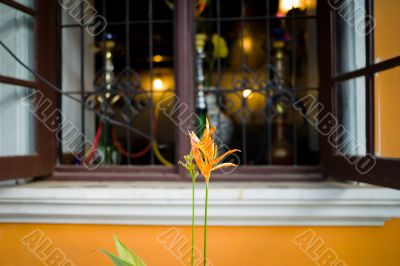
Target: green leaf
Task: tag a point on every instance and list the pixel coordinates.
(117, 261)
(127, 255)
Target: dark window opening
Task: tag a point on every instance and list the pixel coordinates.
(258, 58)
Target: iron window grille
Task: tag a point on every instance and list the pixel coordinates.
(269, 85)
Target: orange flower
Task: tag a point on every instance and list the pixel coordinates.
(205, 152)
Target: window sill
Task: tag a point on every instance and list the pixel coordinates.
(169, 203)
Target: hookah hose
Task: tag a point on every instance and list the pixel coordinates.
(116, 143)
(121, 150)
(152, 143)
(95, 142)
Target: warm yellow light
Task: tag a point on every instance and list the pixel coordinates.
(115, 99)
(108, 95)
(286, 5)
(158, 84)
(157, 58)
(108, 55)
(108, 77)
(247, 44)
(246, 93)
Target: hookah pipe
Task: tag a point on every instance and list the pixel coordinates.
(109, 45)
(200, 106)
(152, 143)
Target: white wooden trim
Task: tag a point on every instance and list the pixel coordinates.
(169, 203)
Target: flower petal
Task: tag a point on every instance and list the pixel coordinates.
(217, 160)
(222, 165)
(193, 137)
(206, 132)
(199, 160)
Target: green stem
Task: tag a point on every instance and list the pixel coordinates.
(205, 226)
(193, 187)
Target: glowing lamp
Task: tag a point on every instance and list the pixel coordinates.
(286, 5)
(246, 93)
(158, 84)
(157, 58)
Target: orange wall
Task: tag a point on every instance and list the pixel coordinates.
(387, 109)
(387, 31)
(228, 246)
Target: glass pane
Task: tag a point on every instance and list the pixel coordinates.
(17, 33)
(351, 115)
(350, 36)
(17, 132)
(387, 109)
(28, 3)
(387, 31)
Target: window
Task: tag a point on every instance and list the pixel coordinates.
(133, 65)
(26, 147)
(358, 85)
(136, 76)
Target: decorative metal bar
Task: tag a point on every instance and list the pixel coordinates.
(82, 77)
(293, 85)
(151, 47)
(230, 104)
(127, 59)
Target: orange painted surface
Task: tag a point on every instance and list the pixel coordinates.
(387, 110)
(387, 30)
(228, 246)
